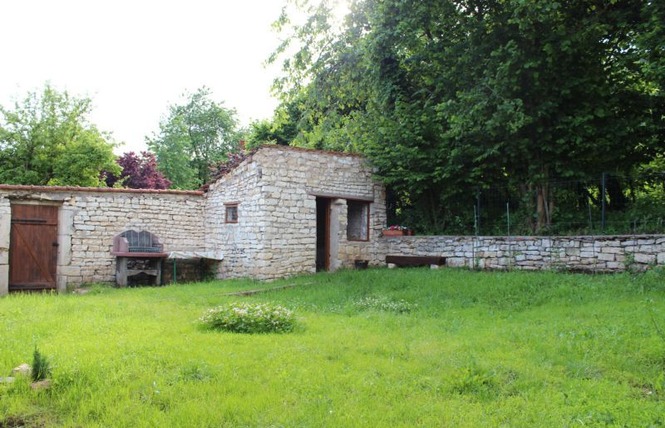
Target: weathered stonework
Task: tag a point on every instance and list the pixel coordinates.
(576, 253)
(279, 192)
(276, 191)
(89, 219)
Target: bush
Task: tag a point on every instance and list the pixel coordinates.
(250, 318)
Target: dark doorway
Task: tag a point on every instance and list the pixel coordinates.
(323, 234)
(33, 247)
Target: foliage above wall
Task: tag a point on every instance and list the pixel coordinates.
(194, 136)
(46, 139)
(222, 168)
(138, 172)
(448, 98)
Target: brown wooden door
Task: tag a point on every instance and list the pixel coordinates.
(33, 249)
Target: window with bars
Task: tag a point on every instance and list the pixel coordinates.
(231, 212)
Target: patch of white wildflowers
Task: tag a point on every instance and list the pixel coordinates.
(385, 305)
(250, 318)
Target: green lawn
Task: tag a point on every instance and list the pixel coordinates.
(376, 348)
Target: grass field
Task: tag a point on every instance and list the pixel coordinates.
(375, 348)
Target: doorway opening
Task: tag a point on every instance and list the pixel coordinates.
(323, 234)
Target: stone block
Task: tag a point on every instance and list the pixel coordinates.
(69, 270)
(456, 261)
(5, 229)
(661, 258)
(645, 258)
(4, 280)
(611, 250)
(606, 257)
(572, 251)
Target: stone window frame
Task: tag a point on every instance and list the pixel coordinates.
(231, 212)
(361, 216)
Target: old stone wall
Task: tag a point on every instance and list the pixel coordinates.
(276, 191)
(240, 242)
(90, 218)
(576, 253)
(297, 177)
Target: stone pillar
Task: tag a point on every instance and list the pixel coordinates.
(65, 231)
(5, 229)
(336, 207)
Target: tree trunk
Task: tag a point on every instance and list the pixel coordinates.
(614, 190)
(544, 204)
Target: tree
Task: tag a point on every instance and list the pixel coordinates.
(447, 98)
(138, 172)
(47, 140)
(193, 137)
(282, 129)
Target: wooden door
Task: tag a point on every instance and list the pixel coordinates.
(33, 248)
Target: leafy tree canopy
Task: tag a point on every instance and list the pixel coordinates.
(193, 137)
(449, 96)
(46, 139)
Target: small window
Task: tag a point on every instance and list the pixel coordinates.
(231, 213)
(357, 228)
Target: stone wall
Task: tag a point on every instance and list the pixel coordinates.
(241, 243)
(90, 218)
(575, 253)
(276, 190)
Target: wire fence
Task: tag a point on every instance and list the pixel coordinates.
(609, 205)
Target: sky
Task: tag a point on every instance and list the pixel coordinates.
(134, 58)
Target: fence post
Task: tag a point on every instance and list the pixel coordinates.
(602, 202)
(588, 204)
(510, 247)
(478, 213)
(475, 237)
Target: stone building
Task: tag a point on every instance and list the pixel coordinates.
(286, 211)
(282, 211)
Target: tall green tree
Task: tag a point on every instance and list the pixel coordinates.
(46, 139)
(193, 137)
(449, 97)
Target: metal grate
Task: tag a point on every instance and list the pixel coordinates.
(141, 242)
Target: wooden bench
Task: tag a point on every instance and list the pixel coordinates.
(416, 260)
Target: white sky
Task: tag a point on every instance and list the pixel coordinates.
(134, 58)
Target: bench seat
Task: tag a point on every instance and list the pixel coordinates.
(416, 260)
